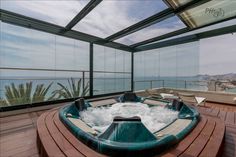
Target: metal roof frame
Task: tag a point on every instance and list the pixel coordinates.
(86, 10)
(188, 38)
(175, 33)
(167, 13)
(24, 21)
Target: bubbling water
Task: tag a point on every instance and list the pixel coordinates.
(154, 118)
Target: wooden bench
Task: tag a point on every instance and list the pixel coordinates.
(175, 128)
(55, 140)
(154, 102)
(103, 102)
(205, 140)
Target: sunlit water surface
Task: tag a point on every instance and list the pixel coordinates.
(154, 118)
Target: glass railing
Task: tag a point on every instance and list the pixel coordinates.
(18, 91)
(28, 90)
(217, 86)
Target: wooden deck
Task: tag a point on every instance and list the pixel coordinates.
(18, 135)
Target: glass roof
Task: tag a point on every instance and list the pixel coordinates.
(209, 12)
(111, 16)
(176, 3)
(163, 27)
(56, 12)
(212, 27)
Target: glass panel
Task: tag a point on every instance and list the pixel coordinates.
(40, 60)
(167, 67)
(177, 3)
(56, 12)
(217, 63)
(208, 64)
(111, 16)
(112, 70)
(146, 69)
(209, 12)
(215, 26)
(163, 27)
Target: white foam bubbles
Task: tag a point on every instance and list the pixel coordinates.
(154, 118)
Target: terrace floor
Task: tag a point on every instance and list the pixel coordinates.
(18, 133)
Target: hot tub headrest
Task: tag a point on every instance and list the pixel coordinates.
(176, 105)
(118, 118)
(80, 104)
(129, 97)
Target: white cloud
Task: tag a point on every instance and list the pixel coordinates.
(112, 16)
(155, 30)
(53, 11)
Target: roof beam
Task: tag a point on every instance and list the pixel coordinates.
(154, 19)
(165, 36)
(24, 21)
(175, 33)
(86, 10)
(188, 38)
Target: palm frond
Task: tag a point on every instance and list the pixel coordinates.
(3, 102)
(79, 88)
(65, 90)
(74, 89)
(85, 90)
(22, 94)
(18, 95)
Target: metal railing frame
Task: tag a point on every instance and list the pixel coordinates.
(186, 82)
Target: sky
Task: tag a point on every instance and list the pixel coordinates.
(218, 55)
(23, 48)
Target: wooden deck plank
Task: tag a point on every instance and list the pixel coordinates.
(59, 139)
(229, 118)
(14, 118)
(26, 133)
(48, 144)
(198, 145)
(235, 118)
(183, 145)
(10, 145)
(215, 112)
(215, 142)
(222, 115)
(28, 153)
(75, 142)
(18, 150)
(15, 124)
(229, 148)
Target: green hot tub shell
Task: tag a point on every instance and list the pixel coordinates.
(128, 136)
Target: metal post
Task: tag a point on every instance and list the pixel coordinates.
(83, 79)
(132, 71)
(91, 70)
(215, 82)
(185, 84)
(151, 84)
(163, 83)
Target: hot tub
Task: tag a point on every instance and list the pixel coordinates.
(129, 127)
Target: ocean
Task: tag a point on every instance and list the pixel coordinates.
(111, 85)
